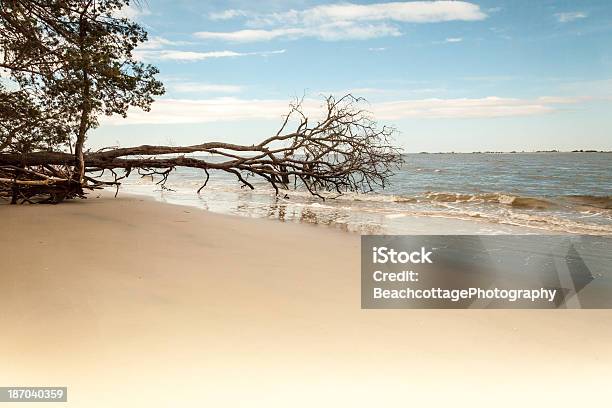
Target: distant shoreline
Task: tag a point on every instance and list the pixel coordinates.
(519, 152)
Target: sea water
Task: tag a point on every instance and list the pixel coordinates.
(544, 192)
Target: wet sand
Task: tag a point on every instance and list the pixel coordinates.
(133, 303)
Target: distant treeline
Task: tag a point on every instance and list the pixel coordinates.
(523, 151)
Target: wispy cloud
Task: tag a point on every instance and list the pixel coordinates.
(133, 11)
(227, 14)
(157, 42)
(160, 49)
(453, 40)
(343, 20)
(191, 56)
(387, 93)
(173, 111)
(489, 107)
(341, 30)
(570, 16)
(196, 87)
(408, 12)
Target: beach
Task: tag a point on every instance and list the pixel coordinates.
(133, 303)
(304, 204)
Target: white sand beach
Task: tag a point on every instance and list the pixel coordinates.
(133, 303)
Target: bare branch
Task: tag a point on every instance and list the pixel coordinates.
(343, 151)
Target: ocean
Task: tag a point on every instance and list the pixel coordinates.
(495, 193)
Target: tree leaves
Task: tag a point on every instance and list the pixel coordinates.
(71, 60)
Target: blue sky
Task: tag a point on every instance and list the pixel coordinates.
(451, 76)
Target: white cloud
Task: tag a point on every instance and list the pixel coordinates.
(329, 32)
(408, 12)
(488, 107)
(157, 49)
(188, 87)
(570, 16)
(250, 35)
(453, 40)
(343, 20)
(383, 92)
(132, 12)
(563, 100)
(173, 111)
(191, 56)
(227, 14)
(157, 42)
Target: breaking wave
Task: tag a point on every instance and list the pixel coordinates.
(576, 214)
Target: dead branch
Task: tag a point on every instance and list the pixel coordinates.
(343, 151)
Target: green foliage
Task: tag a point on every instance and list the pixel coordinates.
(25, 127)
(70, 61)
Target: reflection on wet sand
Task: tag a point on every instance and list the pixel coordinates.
(361, 217)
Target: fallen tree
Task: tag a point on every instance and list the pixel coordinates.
(343, 151)
(68, 62)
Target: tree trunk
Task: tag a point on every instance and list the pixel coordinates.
(83, 126)
(85, 105)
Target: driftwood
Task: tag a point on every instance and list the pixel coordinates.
(343, 151)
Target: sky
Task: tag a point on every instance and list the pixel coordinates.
(449, 75)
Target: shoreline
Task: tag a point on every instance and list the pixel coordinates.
(519, 152)
(131, 302)
(522, 194)
(418, 224)
(400, 222)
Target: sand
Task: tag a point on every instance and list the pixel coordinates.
(133, 303)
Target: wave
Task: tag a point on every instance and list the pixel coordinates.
(552, 214)
(498, 198)
(552, 223)
(502, 198)
(588, 214)
(603, 202)
(440, 197)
